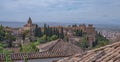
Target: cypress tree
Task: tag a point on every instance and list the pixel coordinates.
(61, 34)
(45, 29)
(38, 32)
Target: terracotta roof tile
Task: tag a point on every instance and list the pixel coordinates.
(109, 53)
(58, 48)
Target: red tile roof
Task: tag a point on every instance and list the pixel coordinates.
(109, 53)
(61, 47)
(57, 48)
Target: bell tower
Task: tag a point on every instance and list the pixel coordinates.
(29, 21)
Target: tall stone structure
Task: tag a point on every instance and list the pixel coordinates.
(91, 33)
(29, 25)
(90, 30)
(82, 27)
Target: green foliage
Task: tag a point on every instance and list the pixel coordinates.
(2, 33)
(10, 38)
(45, 29)
(25, 34)
(37, 42)
(53, 37)
(84, 42)
(25, 59)
(7, 55)
(21, 48)
(7, 58)
(30, 48)
(75, 25)
(48, 31)
(1, 48)
(100, 41)
(6, 35)
(78, 32)
(43, 39)
(38, 32)
(61, 34)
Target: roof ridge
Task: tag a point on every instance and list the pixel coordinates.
(110, 45)
(57, 41)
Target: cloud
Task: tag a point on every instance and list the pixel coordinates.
(61, 10)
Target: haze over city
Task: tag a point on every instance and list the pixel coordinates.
(82, 11)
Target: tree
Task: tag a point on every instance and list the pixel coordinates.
(21, 48)
(2, 33)
(31, 47)
(38, 32)
(78, 32)
(45, 29)
(100, 41)
(9, 37)
(84, 42)
(53, 37)
(75, 25)
(37, 42)
(61, 34)
(1, 48)
(23, 36)
(49, 31)
(7, 56)
(43, 39)
(25, 59)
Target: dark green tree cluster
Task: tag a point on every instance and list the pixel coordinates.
(1, 48)
(53, 32)
(2, 33)
(61, 33)
(75, 25)
(48, 33)
(31, 47)
(38, 32)
(100, 41)
(6, 36)
(84, 42)
(78, 32)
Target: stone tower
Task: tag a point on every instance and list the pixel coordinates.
(91, 32)
(82, 27)
(29, 22)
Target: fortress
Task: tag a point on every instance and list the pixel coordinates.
(68, 31)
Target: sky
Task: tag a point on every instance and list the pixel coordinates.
(66, 11)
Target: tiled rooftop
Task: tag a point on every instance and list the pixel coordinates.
(57, 48)
(61, 47)
(109, 53)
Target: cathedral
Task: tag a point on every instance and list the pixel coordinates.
(29, 25)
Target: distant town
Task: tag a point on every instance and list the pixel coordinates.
(34, 42)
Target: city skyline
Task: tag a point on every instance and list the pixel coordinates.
(82, 11)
